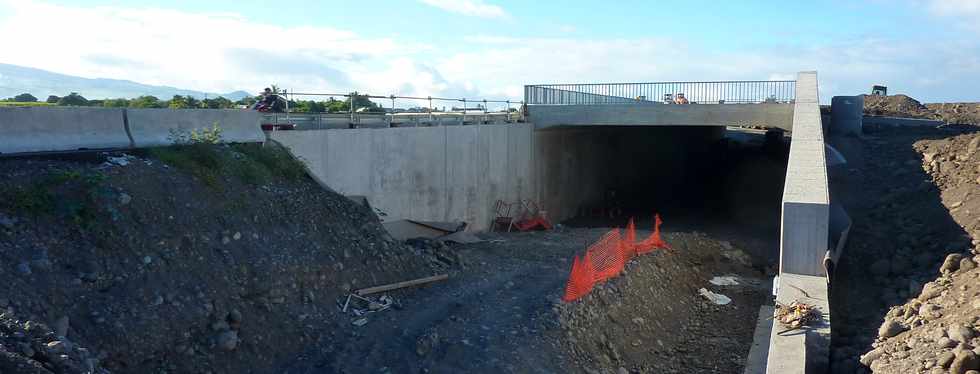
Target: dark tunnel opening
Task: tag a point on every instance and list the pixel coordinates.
(724, 182)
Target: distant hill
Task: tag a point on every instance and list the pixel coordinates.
(15, 80)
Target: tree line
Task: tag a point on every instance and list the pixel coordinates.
(189, 102)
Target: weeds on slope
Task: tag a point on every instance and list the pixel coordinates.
(201, 154)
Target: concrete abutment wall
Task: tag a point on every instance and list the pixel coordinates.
(456, 173)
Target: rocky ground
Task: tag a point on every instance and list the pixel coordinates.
(214, 262)
(503, 314)
(228, 259)
(905, 106)
(914, 197)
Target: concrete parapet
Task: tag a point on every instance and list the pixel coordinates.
(653, 114)
(804, 240)
(40, 129)
(153, 127)
(806, 199)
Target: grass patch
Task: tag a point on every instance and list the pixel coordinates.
(71, 194)
(250, 163)
(15, 103)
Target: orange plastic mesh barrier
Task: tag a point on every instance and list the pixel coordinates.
(607, 257)
(654, 241)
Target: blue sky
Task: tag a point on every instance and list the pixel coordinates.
(929, 49)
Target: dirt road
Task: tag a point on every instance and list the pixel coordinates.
(503, 313)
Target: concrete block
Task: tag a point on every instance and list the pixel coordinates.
(846, 113)
(153, 127)
(41, 129)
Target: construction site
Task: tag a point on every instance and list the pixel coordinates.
(667, 227)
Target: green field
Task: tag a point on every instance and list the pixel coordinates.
(14, 103)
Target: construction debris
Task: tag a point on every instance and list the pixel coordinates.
(395, 286)
(727, 280)
(796, 315)
(716, 298)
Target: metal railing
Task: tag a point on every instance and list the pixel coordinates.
(420, 115)
(722, 92)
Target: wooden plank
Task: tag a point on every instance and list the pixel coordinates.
(395, 286)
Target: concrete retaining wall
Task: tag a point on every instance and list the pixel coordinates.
(804, 239)
(152, 127)
(878, 121)
(444, 173)
(34, 129)
(771, 115)
(845, 114)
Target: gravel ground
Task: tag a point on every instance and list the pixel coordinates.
(128, 269)
(503, 313)
(913, 197)
(131, 269)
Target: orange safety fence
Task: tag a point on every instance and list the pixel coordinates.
(607, 257)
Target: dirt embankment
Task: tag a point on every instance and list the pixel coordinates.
(223, 259)
(653, 320)
(907, 107)
(938, 330)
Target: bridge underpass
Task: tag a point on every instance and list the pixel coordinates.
(658, 157)
(656, 161)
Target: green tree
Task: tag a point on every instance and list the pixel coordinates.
(73, 99)
(192, 102)
(52, 99)
(115, 103)
(217, 103)
(178, 102)
(145, 102)
(25, 98)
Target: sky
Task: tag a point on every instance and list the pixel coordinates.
(928, 49)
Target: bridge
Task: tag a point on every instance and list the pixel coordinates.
(571, 144)
(733, 103)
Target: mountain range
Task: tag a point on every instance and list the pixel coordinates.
(15, 80)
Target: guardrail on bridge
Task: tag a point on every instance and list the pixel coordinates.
(720, 92)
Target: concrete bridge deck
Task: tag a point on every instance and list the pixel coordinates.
(776, 115)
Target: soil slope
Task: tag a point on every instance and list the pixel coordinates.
(939, 329)
(222, 259)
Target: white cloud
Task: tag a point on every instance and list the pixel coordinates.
(849, 67)
(225, 52)
(208, 52)
(475, 8)
(965, 12)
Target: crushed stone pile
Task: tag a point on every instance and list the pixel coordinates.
(907, 107)
(896, 106)
(938, 330)
(129, 264)
(655, 317)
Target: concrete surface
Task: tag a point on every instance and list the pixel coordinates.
(445, 173)
(871, 121)
(755, 363)
(806, 200)
(845, 114)
(806, 350)
(322, 121)
(152, 127)
(804, 239)
(42, 129)
(654, 114)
